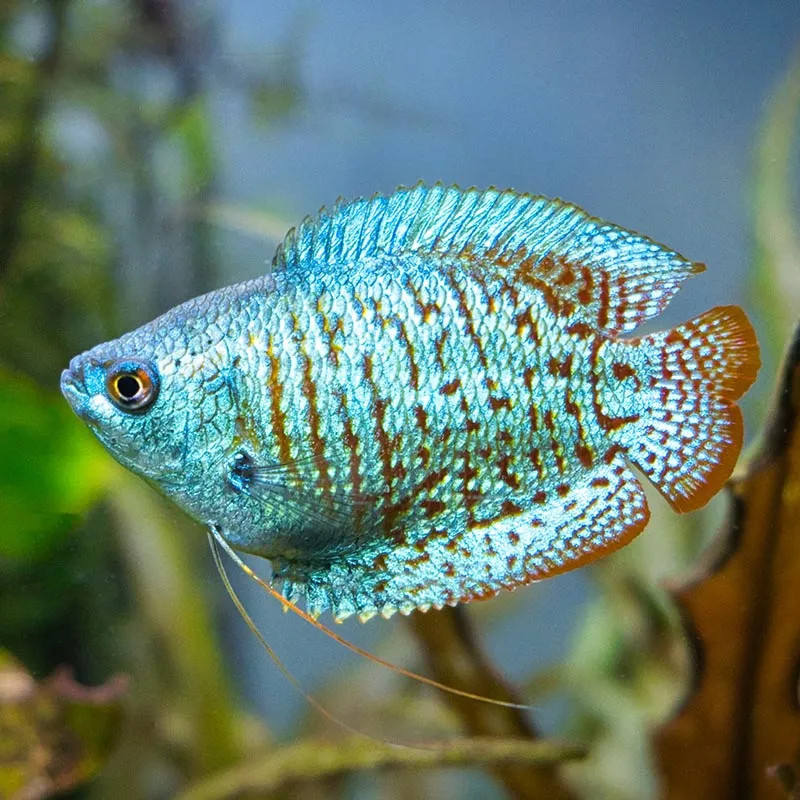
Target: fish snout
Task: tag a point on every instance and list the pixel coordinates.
(73, 388)
(77, 365)
(68, 380)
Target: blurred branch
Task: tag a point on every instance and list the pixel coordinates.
(456, 659)
(314, 760)
(20, 168)
(252, 222)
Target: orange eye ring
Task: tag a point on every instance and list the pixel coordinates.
(132, 385)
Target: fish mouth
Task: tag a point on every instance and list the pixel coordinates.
(74, 390)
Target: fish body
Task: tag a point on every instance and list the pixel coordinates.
(429, 398)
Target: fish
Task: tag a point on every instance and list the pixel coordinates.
(431, 396)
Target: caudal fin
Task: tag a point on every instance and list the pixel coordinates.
(692, 441)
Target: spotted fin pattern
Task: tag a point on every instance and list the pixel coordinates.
(692, 436)
(602, 513)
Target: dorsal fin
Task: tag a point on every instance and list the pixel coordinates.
(610, 277)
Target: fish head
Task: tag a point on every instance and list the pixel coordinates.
(158, 398)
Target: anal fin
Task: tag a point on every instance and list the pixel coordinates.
(435, 568)
(605, 512)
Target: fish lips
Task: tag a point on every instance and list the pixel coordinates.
(74, 390)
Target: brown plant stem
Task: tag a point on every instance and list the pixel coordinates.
(456, 658)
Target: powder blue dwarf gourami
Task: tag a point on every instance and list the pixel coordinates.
(428, 398)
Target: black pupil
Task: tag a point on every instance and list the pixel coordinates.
(128, 386)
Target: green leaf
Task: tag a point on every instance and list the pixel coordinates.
(51, 469)
(777, 232)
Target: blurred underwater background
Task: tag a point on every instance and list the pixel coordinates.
(152, 150)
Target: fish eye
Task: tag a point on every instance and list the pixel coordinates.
(131, 385)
